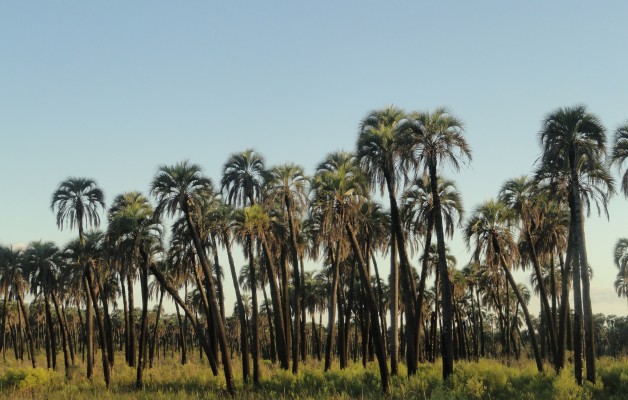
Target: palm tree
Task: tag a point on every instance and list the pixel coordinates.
(436, 138)
(573, 160)
(339, 189)
(288, 184)
(490, 230)
(180, 189)
(620, 255)
(619, 153)
(418, 215)
(220, 220)
(242, 182)
(379, 154)
(76, 202)
(521, 196)
(12, 263)
(131, 219)
(44, 262)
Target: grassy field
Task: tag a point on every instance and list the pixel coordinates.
(487, 379)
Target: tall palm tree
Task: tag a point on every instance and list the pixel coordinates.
(521, 196)
(418, 215)
(287, 183)
(339, 189)
(131, 219)
(220, 220)
(488, 232)
(76, 202)
(180, 189)
(573, 160)
(242, 181)
(433, 139)
(379, 154)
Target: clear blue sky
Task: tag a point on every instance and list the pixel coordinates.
(111, 90)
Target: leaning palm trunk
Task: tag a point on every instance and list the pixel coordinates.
(200, 334)
(64, 335)
(380, 350)
(222, 336)
(27, 328)
(282, 349)
(526, 314)
(549, 320)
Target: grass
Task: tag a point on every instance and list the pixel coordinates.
(487, 379)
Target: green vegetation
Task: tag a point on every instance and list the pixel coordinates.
(474, 317)
(485, 379)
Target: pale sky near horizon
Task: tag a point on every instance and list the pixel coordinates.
(111, 90)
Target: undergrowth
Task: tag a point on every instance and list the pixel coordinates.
(486, 379)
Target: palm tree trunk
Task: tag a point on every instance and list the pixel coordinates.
(221, 291)
(407, 279)
(64, 336)
(184, 358)
(282, 349)
(298, 296)
(423, 277)
(4, 322)
(551, 326)
(447, 312)
(244, 342)
(301, 338)
(380, 350)
(154, 341)
(126, 319)
(51, 331)
(200, 334)
(285, 302)
(255, 314)
(589, 330)
(107, 324)
(101, 328)
(89, 332)
(564, 311)
(27, 328)
(141, 360)
(333, 298)
(394, 308)
(222, 336)
(132, 339)
(526, 314)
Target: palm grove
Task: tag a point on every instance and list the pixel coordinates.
(278, 218)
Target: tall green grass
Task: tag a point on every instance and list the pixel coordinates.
(486, 379)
